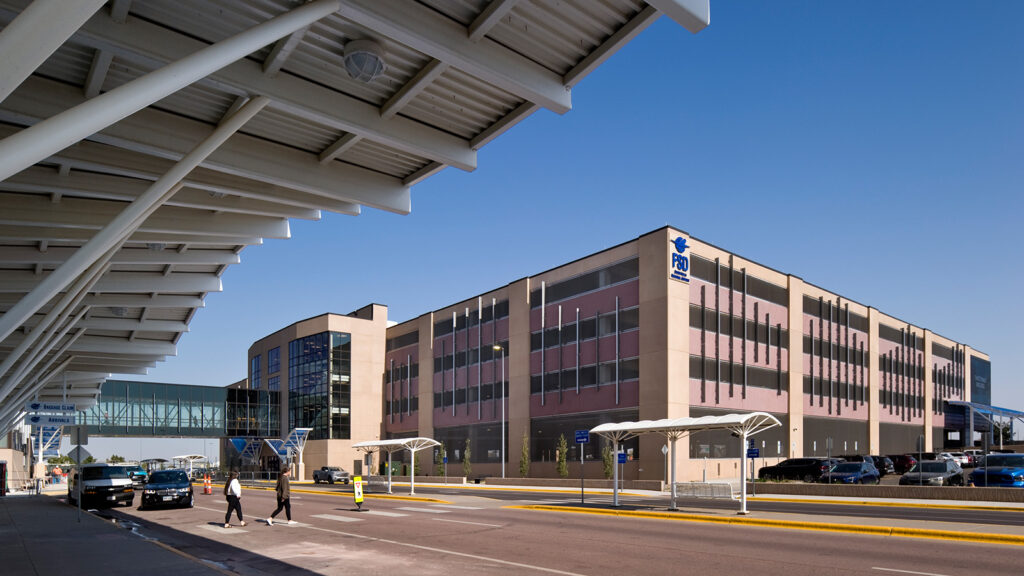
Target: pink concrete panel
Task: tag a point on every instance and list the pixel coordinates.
(602, 301)
(846, 412)
(590, 399)
(758, 399)
(777, 313)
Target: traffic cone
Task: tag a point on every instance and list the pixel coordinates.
(207, 487)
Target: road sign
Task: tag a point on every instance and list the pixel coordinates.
(622, 457)
(664, 449)
(78, 454)
(582, 436)
(48, 407)
(753, 452)
(50, 420)
(357, 492)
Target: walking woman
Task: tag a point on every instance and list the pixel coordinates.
(283, 498)
(233, 492)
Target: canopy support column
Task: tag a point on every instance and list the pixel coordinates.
(412, 472)
(743, 472)
(389, 471)
(615, 474)
(672, 505)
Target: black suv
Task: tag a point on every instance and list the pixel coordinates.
(806, 469)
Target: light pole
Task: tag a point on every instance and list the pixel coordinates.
(502, 348)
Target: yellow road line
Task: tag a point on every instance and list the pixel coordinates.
(792, 524)
(901, 504)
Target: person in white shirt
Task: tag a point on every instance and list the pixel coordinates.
(233, 492)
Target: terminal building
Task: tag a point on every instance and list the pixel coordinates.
(662, 326)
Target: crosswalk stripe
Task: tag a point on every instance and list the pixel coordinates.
(427, 510)
(382, 513)
(337, 518)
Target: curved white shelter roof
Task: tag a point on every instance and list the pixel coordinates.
(145, 143)
(750, 423)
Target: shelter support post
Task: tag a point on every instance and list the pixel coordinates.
(743, 473)
(615, 477)
(412, 472)
(389, 471)
(673, 474)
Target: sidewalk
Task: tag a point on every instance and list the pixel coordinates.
(41, 536)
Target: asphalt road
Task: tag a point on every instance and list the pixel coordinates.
(823, 509)
(477, 534)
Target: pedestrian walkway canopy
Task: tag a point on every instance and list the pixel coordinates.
(742, 425)
(144, 145)
(413, 445)
(987, 412)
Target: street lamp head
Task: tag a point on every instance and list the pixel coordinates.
(497, 347)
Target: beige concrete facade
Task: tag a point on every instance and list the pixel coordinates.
(665, 348)
(368, 328)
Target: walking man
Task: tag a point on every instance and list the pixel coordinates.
(233, 493)
(283, 498)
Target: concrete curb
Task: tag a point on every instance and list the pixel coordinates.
(976, 537)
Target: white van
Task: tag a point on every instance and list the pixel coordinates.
(101, 485)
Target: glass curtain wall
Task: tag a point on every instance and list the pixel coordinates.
(319, 387)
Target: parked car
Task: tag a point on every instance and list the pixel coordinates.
(851, 473)
(975, 455)
(934, 473)
(859, 458)
(884, 464)
(962, 459)
(98, 485)
(945, 456)
(806, 469)
(168, 488)
(1000, 470)
(138, 475)
(330, 474)
(902, 462)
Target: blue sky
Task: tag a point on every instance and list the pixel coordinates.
(875, 149)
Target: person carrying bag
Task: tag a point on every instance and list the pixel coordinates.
(233, 493)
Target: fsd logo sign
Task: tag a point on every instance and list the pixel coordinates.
(680, 269)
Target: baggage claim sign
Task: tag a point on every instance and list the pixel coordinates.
(679, 269)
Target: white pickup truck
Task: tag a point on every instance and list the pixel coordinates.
(330, 474)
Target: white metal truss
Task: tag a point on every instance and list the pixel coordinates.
(114, 227)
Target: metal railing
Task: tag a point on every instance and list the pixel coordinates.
(705, 490)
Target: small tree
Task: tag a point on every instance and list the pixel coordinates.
(88, 460)
(563, 449)
(60, 461)
(524, 456)
(609, 461)
(439, 461)
(467, 466)
(416, 468)
(115, 459)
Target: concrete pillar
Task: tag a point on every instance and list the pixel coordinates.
(929, 388)
(874, 383)
(664, 342)
(518, 371)
(795, 347)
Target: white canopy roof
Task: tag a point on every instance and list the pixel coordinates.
(144, 144)
(393, 445)
(750, 423)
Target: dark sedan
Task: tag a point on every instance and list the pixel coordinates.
(902, 462)
(806, 469)
(851, 473)
(934, 473)
(1000, 470)
(168, 488)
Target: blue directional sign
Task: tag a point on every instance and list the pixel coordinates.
(753, 452)
(582, 436)
(622, 457)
